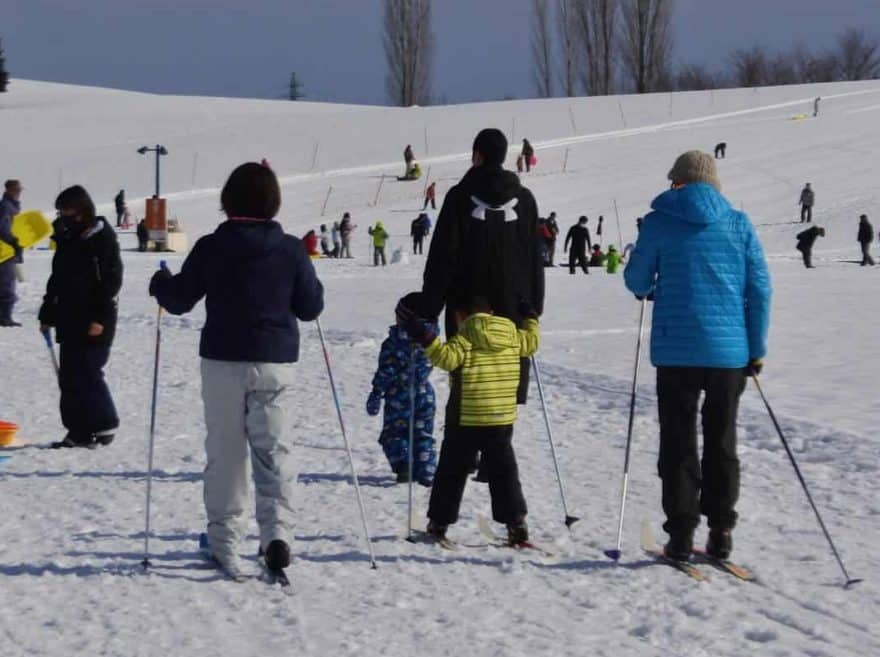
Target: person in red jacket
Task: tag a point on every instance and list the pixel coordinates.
(431, 196)
(310, 241)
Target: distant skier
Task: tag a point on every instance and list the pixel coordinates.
(392, 383)
(119, 202)
(527, 154)
(310, 241)
(721, 150)
(337, 239)
(816, 107)
(10, 205)
(258, 282)
(380, 239)
(346, 228)
(552, 234)
(431, 196)
(418, 231)
(408, 159)
(143, 235)
(865, 237)
(612, 260)
(703, 263)
(805, 241)
(326, 251)
(483, 357)
(579, 238)
(80, 304)
(599, 229)
(808, 198)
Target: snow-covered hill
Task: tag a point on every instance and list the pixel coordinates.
(72, 521)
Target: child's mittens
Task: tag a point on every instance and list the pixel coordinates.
(374, 403)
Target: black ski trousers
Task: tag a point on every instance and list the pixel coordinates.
(690, 485)
(497, 460)
(576, 259)
(418, 243)
(86, 404)
(806, 213)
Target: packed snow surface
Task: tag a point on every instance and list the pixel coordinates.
(72, 526)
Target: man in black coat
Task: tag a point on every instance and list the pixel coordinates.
(579, 237)
(807, 200)
(485, 244)
(805, 241)
(119, 201)
(866, 236)
(418, 230)
(80, 303)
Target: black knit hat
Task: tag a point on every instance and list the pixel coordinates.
(492, 145)
(409, 305)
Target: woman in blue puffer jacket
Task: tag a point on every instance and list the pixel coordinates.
(703, 265)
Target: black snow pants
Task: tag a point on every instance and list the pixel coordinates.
(86, 404)
(692, 486)
(418, 245)
(806, 213)
(866, 254)
(577, 260)
(497, 461)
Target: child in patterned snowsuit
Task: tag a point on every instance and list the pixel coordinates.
(392, 381)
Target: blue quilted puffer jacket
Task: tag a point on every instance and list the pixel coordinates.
(705, 265)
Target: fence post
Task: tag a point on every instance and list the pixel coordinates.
(565, 163)
(622, 115)
(326, 200)
(315, 155)
(379, 190)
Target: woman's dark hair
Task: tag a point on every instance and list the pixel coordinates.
(251, 191)
(77, 198)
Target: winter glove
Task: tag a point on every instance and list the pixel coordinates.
(162, 274)
(754, 367)
(374, 403)
(526, 310)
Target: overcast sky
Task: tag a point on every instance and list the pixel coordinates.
(249, 47)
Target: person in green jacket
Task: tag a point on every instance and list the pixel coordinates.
(380, 238)
(484, 359)
(612, 260)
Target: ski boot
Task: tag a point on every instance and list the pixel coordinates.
(277, 555)
(720, 543)
(437, 531)
(74, 440)
(679, 546)
(517, 533)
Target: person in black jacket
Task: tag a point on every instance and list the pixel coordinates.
(418, 231)
(866, 236)
(80, 303)
(579, 237)
(258, 281)
(485, 244)
(807, 200)
(527, 153)
(119, 202)
(805, 241)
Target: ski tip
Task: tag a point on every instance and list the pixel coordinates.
(570, 520)
(613, 554)
(852, 582)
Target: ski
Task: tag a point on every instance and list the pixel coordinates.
(682, 566)
(495, 540)
(207, 555)
(419, 536)
(740, 572)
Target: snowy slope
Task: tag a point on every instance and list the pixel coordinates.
(72, 526)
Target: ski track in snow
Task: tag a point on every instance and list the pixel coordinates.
(72, 526)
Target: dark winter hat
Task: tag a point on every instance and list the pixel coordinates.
(492, 145)
(409, 305)
(583, 219)
(77, 198)
(252, 191)
(695, 167)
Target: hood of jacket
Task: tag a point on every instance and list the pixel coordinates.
(246, 239)
(490, 333)
(494, 186)
(695, 203)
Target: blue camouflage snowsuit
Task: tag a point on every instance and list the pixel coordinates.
(392, 381)
(8, 209)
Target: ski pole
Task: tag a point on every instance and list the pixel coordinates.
(569, 519)
(615, 553)
(849, 580)
(410, 458)
(47, 336)
(151, 440)
(354, 477)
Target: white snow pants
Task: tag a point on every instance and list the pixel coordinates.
(244, 406)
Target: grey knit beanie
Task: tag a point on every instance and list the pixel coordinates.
(695, 167)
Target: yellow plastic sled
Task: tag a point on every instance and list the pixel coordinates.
(30, 227)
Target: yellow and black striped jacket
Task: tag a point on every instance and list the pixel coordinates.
(487, 351)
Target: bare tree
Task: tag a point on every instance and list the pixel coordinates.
(409, 48)
(542, 51)
(567, 33)
(858, 55)
(596, 32)
(749, 67)
(812, 67)
(696, 77)
(647, 43)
